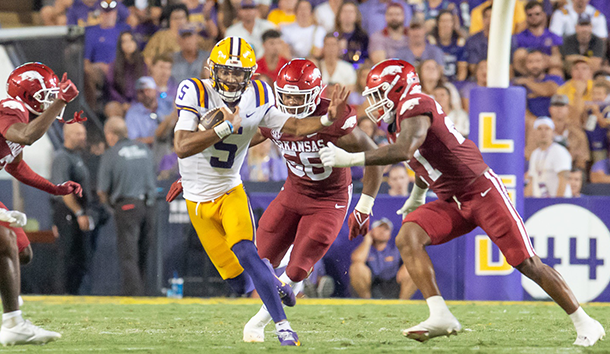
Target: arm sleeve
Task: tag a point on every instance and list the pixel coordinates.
(60, 170)
(188, 105)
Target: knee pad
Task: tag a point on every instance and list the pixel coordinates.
(241, 284)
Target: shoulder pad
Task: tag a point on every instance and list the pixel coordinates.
(261, 92)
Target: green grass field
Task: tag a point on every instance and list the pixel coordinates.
(160, 325)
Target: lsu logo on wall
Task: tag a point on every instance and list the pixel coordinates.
(488, 258)
(575, 242)
(487, 135)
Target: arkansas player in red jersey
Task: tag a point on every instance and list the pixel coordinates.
(469, 194)
(36, 99)
(309, 211)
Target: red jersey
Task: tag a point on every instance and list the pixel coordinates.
(11, 112)
(446, 160)
(264, 69)
(307, 175)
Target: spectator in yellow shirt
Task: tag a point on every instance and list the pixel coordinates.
(284, 14)
(578, 88)
(476, 17)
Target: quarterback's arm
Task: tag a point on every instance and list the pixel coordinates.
(358, 141)
(28, 133)
(188, 143)
(413, 132)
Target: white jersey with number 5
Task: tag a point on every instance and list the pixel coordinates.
(212, 172)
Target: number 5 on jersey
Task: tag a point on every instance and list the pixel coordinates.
(215, 161)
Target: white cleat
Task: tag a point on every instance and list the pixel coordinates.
(26, 333)
(254, 331)
(431, 328)
(590, 335)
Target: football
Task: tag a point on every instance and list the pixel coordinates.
(211, 118)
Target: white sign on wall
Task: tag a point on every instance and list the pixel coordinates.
(576, 243)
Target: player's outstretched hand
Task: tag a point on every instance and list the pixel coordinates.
(77, 118)
(67, 89)
(174, 190)
(334, 156)
(358, 224)
(232, 117)
(69, 187)
(338, 102)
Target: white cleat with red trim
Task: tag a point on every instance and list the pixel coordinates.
(590, 334)
(433, 327)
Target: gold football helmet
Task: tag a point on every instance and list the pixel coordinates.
(232, 64)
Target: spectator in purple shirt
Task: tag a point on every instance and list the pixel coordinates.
(353, 40)
(88, 12)
(384, 44)
(539, 85)
(476, 46)
(145, 115)
(100, 49)
(537, 36)
(377, 270)
(419, 49)
(374, 14)
(452, 44)
(123, 72)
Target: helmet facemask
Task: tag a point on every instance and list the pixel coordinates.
(380, 106)
(232, 90)
(45, 98)
(311, 99)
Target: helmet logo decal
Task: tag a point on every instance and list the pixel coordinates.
(412, 78)
(316, 73)
(32, 75)
(391, 70)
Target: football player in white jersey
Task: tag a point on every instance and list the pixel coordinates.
(209, 162)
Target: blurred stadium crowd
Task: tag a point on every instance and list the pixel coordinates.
(559, 55)
(137, 52)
